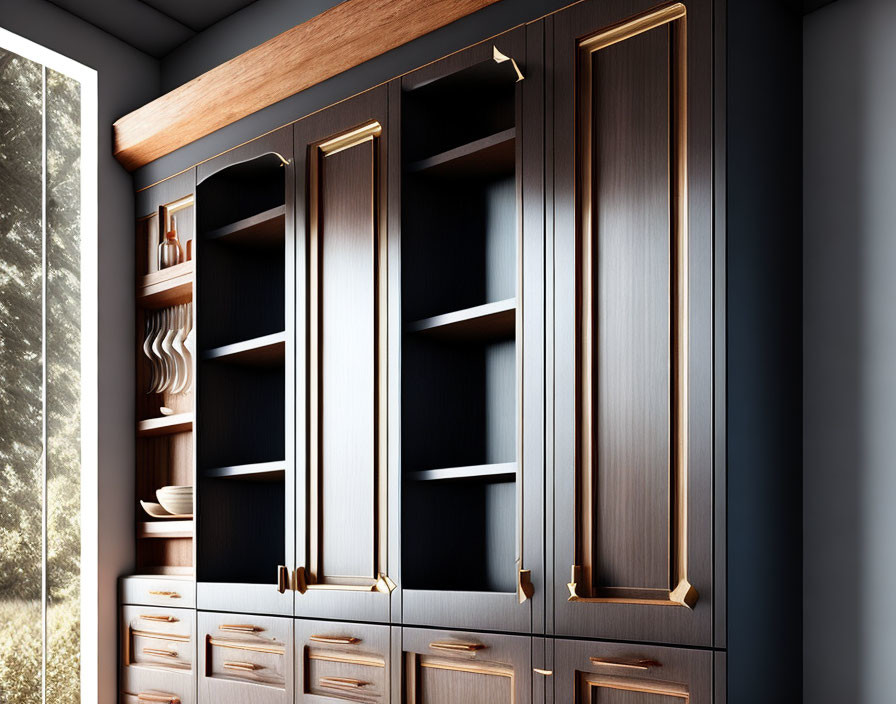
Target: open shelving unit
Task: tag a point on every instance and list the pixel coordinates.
(165, 420)
(460, 268)
(241, 380)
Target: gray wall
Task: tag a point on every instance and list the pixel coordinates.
(241, 31)
(850, 352)
(126, 79)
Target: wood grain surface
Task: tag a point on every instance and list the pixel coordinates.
(334, 41)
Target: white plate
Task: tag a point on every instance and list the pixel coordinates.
(156, 511)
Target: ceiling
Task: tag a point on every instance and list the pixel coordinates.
(155, 27)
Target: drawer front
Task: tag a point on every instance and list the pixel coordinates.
(158, 638)
(445, 667)
(589, 672)
(146, 685)
(342, 662)
(158, 591)
(245, 658)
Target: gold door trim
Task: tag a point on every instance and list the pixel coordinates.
(309, 577)
(581, 586)
(667, 689)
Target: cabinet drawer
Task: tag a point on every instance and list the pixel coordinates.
(446, 667)
(591, 671)
(146, 685)
(342, 662)
(158, 591)
(159, 638)
(245, 658)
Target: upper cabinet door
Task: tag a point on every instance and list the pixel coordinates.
(633, 329)
(471, 332)
(244, 354)
(341, 536)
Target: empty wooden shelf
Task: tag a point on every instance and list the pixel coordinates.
(504, 470)
(264, 228)
(482, 157)
(267, 350)
(491, 320)
(258, 471)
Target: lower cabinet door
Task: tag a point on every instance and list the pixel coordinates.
(616, 673)
(245, 659)
(338, 662)
(144, 685)
(449, 667)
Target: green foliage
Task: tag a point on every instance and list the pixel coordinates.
(23, 331)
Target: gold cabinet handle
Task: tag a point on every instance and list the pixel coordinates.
(170, 595)
(628, 663)
(458, 647)
(157, 617)
(239, 628)
(539, 671)
(158, 698)
(242, 666)
(161, 653)
(282, 578)
(335, 640)
(342, 683)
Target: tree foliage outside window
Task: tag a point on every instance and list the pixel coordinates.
(40, 342)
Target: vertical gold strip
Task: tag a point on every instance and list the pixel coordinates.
(585, 295)
(381, 282)
(681, 239)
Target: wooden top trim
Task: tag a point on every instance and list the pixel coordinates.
(334, 41)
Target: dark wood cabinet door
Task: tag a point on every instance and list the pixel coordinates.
(466, 204)
(632, 421)
(341, 536)
(616, 673)
(245, 352)
(445, 667)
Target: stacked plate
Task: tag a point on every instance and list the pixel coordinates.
(174, 502)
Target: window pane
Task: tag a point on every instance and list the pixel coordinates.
(63, 362)
(21, 371)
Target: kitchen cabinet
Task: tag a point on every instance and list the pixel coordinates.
(616, 673)
(245, 301)
(445, 667)
(343, 556)
(471, 352)
(632, 334)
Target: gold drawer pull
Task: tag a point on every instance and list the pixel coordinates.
(170, 595)
(342, 683)
(545, 673)
(462, 647)
(160, 698)
(242, 666)
(239, 628)
(157, 617)
(628, 663)
(160, 653)
(335, 640)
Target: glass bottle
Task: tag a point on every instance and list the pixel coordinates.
(170, 251)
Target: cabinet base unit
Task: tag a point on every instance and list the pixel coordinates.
(245, 659)
(448, 667)
(158, 655)
(338, 662)
(587, 672)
